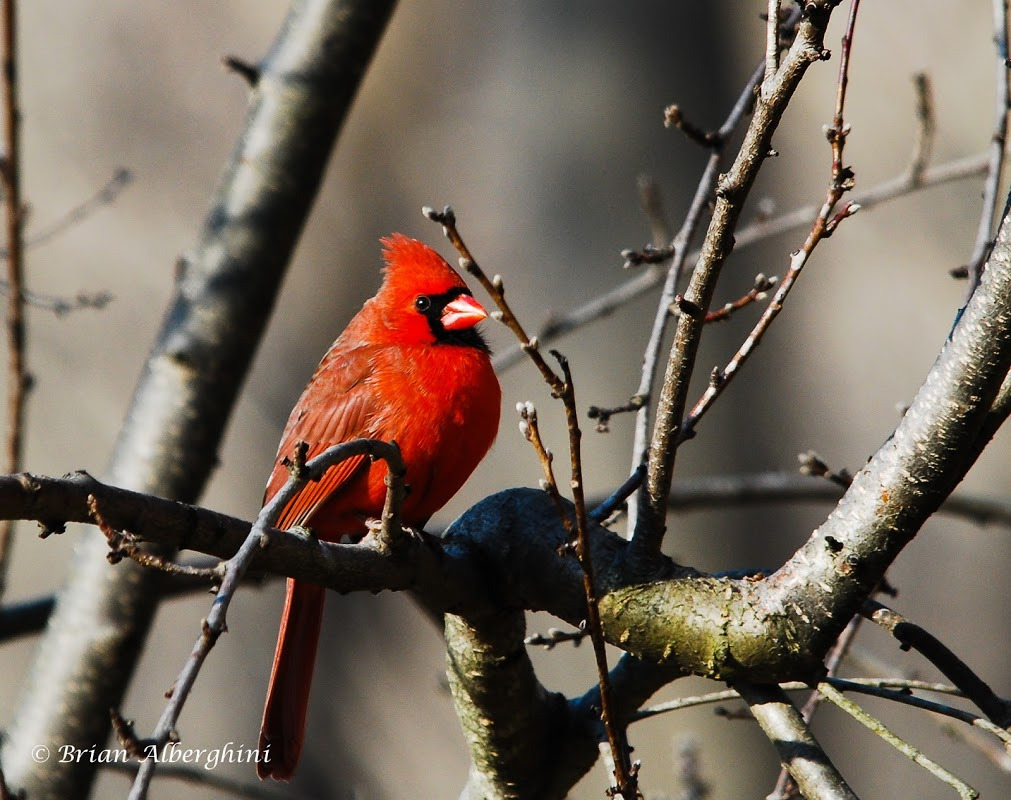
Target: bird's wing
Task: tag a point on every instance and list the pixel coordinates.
(335, 407)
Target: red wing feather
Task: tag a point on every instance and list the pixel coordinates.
(339, 415)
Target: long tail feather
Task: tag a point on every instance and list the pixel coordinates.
(282, 732)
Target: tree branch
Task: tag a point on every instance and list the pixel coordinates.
(17, 375)
(798, 750)
(491, 678)
(168, 444)
(732, 190)
(998, 145)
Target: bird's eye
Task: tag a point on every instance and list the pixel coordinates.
(422, 303)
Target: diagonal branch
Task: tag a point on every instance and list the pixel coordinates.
(998, 146)
(732, 190)
(168, 442)
(798, 750)
(679, 249)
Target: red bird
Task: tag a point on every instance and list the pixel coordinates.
(409, 368)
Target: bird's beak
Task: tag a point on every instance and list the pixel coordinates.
(462, 312)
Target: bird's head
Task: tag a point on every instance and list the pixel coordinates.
(424, 300)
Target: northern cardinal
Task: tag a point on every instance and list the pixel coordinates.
(411, 368)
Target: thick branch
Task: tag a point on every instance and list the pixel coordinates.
(168, 444)
(491, 678)
(799, 753)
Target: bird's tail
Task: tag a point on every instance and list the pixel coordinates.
(282, 732)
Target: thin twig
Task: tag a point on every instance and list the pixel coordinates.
(916, 756)
(824, 226)
(617, 498)
(17, 375)
(532, 433)
(106, 195)
(603, 415)
(852, 684)
(814, 465)
(991, 187)
(902, 695)
(923, 145)
(704, 193)
(61, 306)
(214, 625)
(783, 487)
(564, 389)
(756, 294)
(610, 301)
(950, 665)
(126, 545)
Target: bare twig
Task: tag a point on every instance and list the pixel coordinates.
(234, 569)
(125, 545)
(603, 415)
(991, 187)
(106, 195)
(950, 665)
(61, 306)
(674, 118)
(678, 251)
(532, 433)
(250, 73)
(757, 231)
(771, 487)
(732, 189)
(902, 694)
(17, 374)
(814, 465)
(564, 389)
(666, 441)
(757, 293)
(901, 686)
(916, 756)
(924, 143)
(610, 505)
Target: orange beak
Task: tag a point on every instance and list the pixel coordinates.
(463, 312)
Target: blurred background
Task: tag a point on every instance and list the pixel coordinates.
(533, 120)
